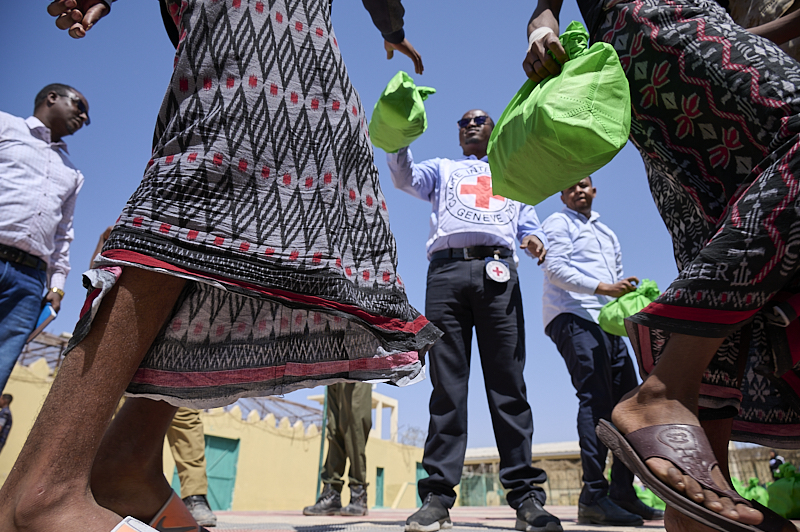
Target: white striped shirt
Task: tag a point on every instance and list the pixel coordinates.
(38, 189)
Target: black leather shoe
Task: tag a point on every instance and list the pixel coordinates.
(358, 502)
(432, 516)
(532, 517)
(200, 510)
(605, 512)
(641, 509)
(329, 503)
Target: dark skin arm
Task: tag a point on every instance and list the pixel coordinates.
(404, 48)
(782, 30)
(77, 16)
(538, 64)
(617, 289)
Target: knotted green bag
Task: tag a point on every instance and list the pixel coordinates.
(784, 493)
(613, 314)
(399, 115)
(556, 132)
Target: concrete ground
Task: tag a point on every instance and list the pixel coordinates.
(465, 519)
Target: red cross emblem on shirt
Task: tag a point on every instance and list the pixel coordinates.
(482, 192)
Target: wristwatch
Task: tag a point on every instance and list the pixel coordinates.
(58, 291)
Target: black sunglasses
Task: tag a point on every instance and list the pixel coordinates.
(81, 106)
(479, 121)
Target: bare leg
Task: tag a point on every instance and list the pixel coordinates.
(128, 475)
(669, 395)
(48, 488)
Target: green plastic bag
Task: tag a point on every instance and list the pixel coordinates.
(613, 314)
(756, 492)
(555, 133)
(650, 499)
(399, 115)
(784, 493)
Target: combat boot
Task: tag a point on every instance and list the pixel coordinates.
(358, 501)
(329, 503)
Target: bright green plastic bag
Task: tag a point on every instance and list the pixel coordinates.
(650, 499)
(756, 492)
(399, 115)
(784, 493)
(613, 314)
(555, 133)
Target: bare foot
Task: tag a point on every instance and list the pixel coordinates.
(43, 511)
(649, 405)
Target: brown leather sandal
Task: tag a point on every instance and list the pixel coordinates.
(687, 448)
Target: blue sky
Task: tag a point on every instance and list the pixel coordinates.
(472, 51)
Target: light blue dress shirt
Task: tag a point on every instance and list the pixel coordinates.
(465, 212)
(38, 189)
(583, 253)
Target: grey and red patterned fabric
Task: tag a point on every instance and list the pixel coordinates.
(263, 190)
(716, 120)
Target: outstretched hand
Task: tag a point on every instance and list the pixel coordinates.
(404, 48)
(538, 64)
(535, 247)
(77, 16)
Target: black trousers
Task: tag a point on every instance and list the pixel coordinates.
(602, 372)
(460, 297)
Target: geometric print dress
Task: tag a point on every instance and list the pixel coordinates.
(263, 193)
(716, 118)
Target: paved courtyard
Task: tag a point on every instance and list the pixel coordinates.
(465, 519)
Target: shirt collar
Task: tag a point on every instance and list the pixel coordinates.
(485, 158)
(42, 132)
(595, 215)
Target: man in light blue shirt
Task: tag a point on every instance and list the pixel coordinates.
(583, 271)
(472, 282)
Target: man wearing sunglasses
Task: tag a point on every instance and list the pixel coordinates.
(472, 282)
(38, 189)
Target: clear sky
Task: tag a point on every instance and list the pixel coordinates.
(472, 51)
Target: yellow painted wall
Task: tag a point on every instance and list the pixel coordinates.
(29, 386)
(277, 466)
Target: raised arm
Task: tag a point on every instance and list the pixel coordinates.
(543, 36)
(419, 180)
(78, 16)
(387, 15)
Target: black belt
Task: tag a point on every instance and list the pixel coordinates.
(20, 257)
(473, 253)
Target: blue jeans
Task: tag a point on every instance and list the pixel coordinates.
(21, 290)
(602, 372)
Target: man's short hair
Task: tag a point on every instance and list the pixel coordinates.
(8, 397)
(58, 88)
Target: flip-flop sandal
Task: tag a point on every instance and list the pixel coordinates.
(174, 516)
(687, 448)
(129, 524)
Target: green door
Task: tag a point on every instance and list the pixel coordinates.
(379, 488)
(222, 456)
(421, 473)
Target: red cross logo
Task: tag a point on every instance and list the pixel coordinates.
(482, 192)
(497, 271)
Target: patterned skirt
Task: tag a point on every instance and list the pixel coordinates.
(263, 193)
(716, 118)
